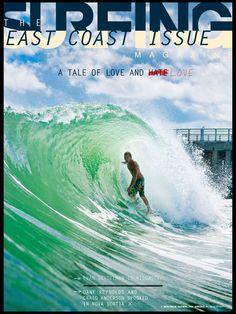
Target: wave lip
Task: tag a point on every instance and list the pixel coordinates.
(75, 151)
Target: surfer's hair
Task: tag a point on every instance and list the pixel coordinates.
(128, 153)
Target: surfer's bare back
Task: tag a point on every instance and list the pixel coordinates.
(137, 182)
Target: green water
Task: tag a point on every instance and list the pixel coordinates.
(69, 223)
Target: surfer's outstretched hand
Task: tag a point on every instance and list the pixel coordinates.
(124, 162)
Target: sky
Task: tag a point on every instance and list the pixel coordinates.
(31, 77)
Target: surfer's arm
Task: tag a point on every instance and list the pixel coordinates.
(124, 162)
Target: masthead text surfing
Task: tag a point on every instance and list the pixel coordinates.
(182, 30)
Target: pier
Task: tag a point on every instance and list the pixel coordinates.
(216, 144)
(217, 149)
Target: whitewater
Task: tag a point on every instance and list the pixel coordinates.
(70, 227)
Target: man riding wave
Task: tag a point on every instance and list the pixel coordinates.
(137, 182)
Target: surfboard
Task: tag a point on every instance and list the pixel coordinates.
(138, 210)
(155, 218)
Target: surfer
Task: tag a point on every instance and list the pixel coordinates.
(137, 182)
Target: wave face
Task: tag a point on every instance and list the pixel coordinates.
(69, 221)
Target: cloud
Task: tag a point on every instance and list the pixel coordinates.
(21, 78)
(207, 95)
(26, 51)
(66, 57)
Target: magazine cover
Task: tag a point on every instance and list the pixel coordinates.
(118, 156)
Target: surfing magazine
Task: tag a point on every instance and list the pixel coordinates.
(86, 226)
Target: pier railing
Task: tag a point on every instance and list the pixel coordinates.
(206, 134)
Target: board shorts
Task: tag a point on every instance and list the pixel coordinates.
(138, 187)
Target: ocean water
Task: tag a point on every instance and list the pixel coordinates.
(74, 241)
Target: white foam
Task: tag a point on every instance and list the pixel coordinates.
(174, 183)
